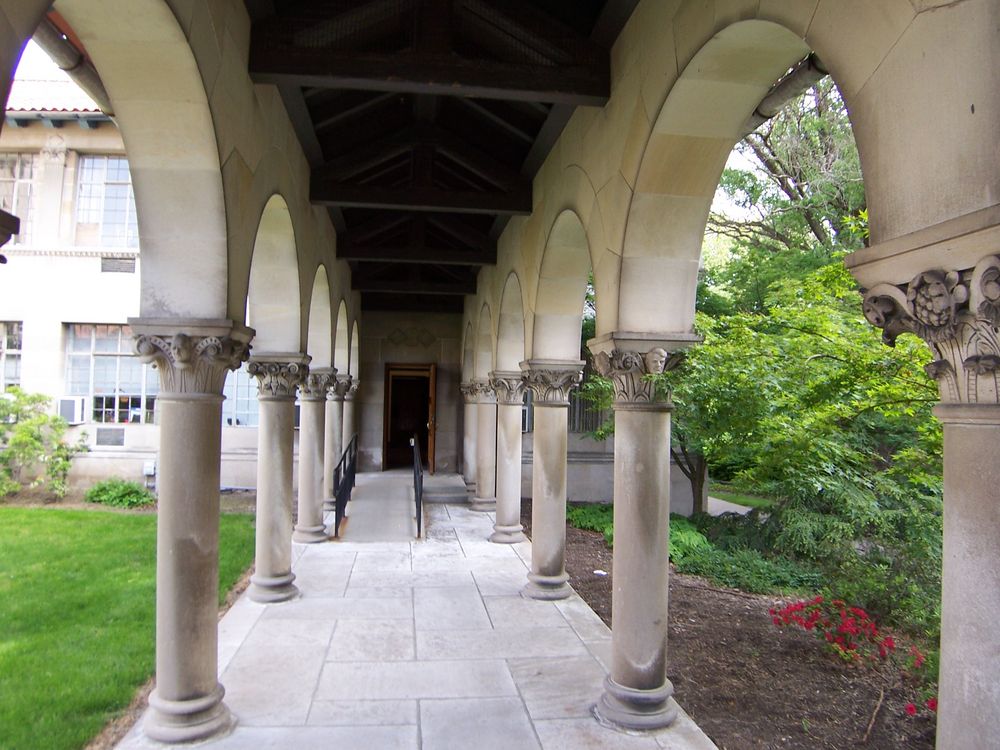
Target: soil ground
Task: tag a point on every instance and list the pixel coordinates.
(748, 684)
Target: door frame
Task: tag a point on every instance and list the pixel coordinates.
(428, 370)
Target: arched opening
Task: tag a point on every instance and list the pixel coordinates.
(562, 290)
(510, 330)
(484, 344)
(342, 342)
(273, 307)
(319, 343)
(355, 358)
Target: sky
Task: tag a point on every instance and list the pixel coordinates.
(35, 65)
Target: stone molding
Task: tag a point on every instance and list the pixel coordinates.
(629, 371)
(483, 392)
(508, 386)
(551, 382)
(278, 376)
(196, 357)
(338, 388)
(957, 313)
(317, 383)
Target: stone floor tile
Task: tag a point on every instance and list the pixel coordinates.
(558, 688)
(583, 619)
(413, 579)
(315, 581)
(378, 592)
(271, 684)
(372, 640)
(278, 632)
(319, 608)
(587, 734)
(511, 643)
(457, 607)
(501, 583)
(415, 680)
(363, 713)
(683, 734)
(518, 612)
(320, 738)
(235, 626)
(475, 546)
(600, 650)
(483, 723)
(388, 561)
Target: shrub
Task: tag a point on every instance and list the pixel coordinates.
(119, 493)
(685, 539)
(593, 517)
(748, 570)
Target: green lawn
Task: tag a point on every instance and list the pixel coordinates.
(77, 617)
(724, 492)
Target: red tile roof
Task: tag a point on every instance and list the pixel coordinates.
(49, 96)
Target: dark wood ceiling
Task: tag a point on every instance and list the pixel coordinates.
(424, 122)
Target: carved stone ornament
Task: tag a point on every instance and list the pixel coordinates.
(352, 389)
(551, 387)
(958, 315)
(509, 387)
(317, 383)
(629, 373)
(277, 379)
(468, 390)
(483, 392)
(339, 387)
(192, 364)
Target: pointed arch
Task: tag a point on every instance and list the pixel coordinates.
(341, 341)
(319, 341)
(562, 290)
(355, 359)
(484, 343)
(469, 353)
(273, 308)
(510, 326)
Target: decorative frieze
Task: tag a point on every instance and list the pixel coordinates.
(317, 383)
(277, 379)
(508, 386)
(193, 364)
(551, 386)
(958, 314)
(339, 387)
(629, 372)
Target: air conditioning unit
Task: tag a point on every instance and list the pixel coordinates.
(73, 409)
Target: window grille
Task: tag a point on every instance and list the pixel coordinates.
(105, 204)
(240, 409)
(17, 190)
(101, 366)
(10, 354)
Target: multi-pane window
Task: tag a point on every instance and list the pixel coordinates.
(105, 204)
(17, 178)
(10, 354)
(240, 407)
(101, 366)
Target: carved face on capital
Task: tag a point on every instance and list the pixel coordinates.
(656, 360)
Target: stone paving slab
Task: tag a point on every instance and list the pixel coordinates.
(418, 645)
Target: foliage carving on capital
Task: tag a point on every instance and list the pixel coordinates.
(352, 389)
(469, 391)
(509, 387)
(339, 387)
(277, 379)
(629, 373)
(192, 364)
(958, 315)
(552, 386)
(317, 383)
(483, 392)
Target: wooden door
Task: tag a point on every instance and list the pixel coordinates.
(410, 407)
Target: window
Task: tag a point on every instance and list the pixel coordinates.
(17, 178)
(101, 366)
(240, 407)
(105, 205)
(10, 355)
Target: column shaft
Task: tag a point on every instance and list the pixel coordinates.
(350, 414)
(486, 454)
(969, 692)
(334, 429)
(310, 528)
(548, 579)
(469, 437)
(508, 528)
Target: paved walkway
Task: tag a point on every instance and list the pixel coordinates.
(419, 645)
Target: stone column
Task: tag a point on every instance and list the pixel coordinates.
(637, 692)
(278, 375)
(334, 434)
(550, 384)
(469, 435)
(350, 411)
(192, 358)
(486, 447)
(958, 314)
(509, 388)
(310, 529)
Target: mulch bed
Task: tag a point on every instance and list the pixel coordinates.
(749, 684)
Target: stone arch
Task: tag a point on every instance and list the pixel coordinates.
(484, 344)
(273, 307)
(562, 289)
(319, 341)
(468, 353)
(355, 358)
(341, 341)
(510, 326)
(162, 110)
(693, 135)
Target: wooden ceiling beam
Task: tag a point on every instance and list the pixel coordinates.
(348, 195)
(441, 256)
(378, 302)
(361, 282)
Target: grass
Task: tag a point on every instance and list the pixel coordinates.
(77, 617)
(724, 492)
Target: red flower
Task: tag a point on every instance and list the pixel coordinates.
(932, 704)
(911, 709)
(776, 621)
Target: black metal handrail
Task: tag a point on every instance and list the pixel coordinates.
(344, 475)
(418, 483)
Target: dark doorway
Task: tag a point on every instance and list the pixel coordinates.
(409, 410)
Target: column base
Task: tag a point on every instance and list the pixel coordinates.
(507, 534)
(547, 588)
(270, 590)
(329, 505)
(310, 534)
(188, 720)
(483, 504)
(630, 708)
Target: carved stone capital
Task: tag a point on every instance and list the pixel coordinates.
(958, 314)
(339, 387)
(483, 392)
(469, 391)
(629, 371)
(191, 356)
(551, 382)
(278, 375)
(317, 382)
(508, 386)
(352, 389)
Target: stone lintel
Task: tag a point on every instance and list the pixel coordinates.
(968, 414)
